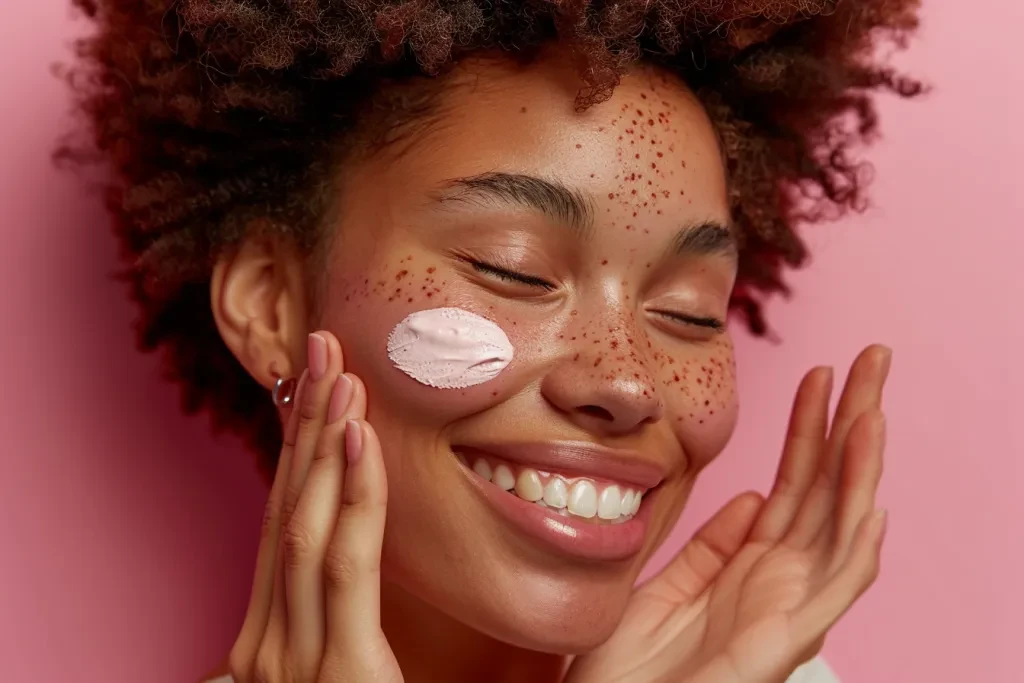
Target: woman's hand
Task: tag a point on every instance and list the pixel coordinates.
(753, 594)
(314, 614)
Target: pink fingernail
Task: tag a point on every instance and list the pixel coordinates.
(353, 442)
(341, 396)
(316, 350)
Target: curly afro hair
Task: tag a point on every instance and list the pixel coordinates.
(220, 117)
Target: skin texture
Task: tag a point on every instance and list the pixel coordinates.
(662, 387)
(620, 349)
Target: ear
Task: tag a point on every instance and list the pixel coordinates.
(258, 297)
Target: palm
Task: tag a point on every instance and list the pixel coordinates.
(752, 595)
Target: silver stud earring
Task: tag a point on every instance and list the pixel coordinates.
(283, 391)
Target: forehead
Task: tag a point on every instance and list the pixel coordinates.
(648, 151)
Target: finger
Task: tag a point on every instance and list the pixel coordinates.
(863, 391)
(805, 441)
(352, 563)
(692, 570)
(820, 613)
(324, 355)
(325, 364)
(311, 527)
(243, 652)
(862, 471)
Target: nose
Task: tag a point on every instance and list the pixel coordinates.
(618, 401)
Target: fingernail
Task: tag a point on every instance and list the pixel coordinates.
(341, 396)
(316, 350)
(353, 442)
(886, 360)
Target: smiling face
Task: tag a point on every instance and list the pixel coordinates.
(598, 243)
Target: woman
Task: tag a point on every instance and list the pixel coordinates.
(514, 231)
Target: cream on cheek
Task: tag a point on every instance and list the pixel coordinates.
(449, 348)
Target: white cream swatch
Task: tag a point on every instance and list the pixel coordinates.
(449, 348)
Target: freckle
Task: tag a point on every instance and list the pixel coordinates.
(591, 175)
(654, 165)
(650, 122)
(401, 274)
(643, 96)
(620, 137)
(614, 344)
(579, 146)
(641, 137)
(523, 110)
(597, 362)
(637, 156)
(430, 294)
(431, 269)
(660, 155)
(494, 393)
(611, 195)
(639, 112)
(604, 262)
(576, 357)
(410, 300)
(573, 313)
(700, 381)
(648, 265)
(633, 191)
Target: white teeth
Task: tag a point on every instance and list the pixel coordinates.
(482, 468)
(583, 499)
(556, 493)
(610, 503)
(503, 478)
(627, 502)
(528, 486)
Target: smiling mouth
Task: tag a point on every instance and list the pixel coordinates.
(587, 499)
(575, 498)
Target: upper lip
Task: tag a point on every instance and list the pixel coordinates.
(578, 457)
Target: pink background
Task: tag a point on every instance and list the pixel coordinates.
(130, 531)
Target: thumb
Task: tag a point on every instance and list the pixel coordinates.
(699, 562)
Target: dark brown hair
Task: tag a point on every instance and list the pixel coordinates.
(219, 117)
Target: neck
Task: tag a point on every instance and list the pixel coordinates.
(431, 647)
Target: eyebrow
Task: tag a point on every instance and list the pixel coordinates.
(706, 238)
(549, 197)
(575, 209)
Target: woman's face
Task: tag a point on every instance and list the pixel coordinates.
(599, 242)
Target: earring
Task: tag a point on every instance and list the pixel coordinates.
(284, 389)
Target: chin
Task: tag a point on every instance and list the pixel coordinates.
(568, 626)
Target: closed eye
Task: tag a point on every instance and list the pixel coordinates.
(710, 323)
(510, 275)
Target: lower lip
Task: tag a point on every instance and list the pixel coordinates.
(567, 534)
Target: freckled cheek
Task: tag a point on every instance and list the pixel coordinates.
(703, 407)
(364, 322)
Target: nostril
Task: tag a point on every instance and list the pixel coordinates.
(598, 412)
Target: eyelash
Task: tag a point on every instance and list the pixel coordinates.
(510, 275)
(713, 324)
